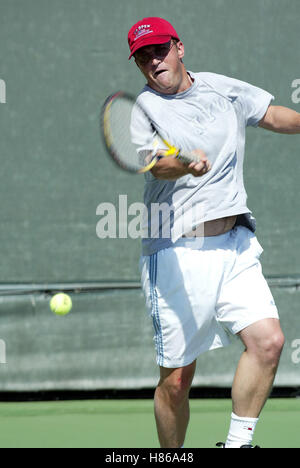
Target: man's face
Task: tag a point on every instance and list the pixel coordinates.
(162, 66)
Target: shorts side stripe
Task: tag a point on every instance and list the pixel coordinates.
(155, 310)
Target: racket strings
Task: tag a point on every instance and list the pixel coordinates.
(129, 134)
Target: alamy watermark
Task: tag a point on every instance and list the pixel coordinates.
(156, 221)
(2, 92)
(296, 94)
(296, 352)
(2, 352)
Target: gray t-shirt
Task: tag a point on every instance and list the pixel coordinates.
(211, 115)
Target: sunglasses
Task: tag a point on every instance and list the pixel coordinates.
(160, 51)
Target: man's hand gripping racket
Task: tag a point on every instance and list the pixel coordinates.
(123, 122)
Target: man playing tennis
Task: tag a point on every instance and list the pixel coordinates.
(205, 283)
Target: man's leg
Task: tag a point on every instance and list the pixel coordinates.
(254, 378)
(172, 410)
(264, 341)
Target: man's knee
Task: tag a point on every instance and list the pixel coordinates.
(265, 340)
(175, 385)
(268, 343)
(272, 348)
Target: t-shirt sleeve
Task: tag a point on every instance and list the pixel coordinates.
(144, 136)
(254, 101)
(141, 130)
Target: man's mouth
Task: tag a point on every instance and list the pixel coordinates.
(159, 72)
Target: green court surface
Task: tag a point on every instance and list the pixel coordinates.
(130, 424)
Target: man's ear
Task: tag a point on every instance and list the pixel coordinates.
(180, 49)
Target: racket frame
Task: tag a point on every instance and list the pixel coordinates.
(172, 151)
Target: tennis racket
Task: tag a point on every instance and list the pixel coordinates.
(123, 124)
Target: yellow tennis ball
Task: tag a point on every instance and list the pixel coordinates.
(61, 304)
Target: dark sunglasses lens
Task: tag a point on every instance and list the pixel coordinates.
(159, 51)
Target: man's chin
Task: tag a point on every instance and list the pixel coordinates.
(164, 87)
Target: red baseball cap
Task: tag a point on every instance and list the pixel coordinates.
(150, 31)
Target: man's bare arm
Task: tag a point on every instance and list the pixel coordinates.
(281, 119)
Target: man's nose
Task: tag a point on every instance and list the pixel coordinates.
(155, 61)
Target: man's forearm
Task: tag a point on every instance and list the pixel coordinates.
(281, 120)
(172, 168)
(169, 169)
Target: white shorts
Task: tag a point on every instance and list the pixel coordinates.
(202, 290)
